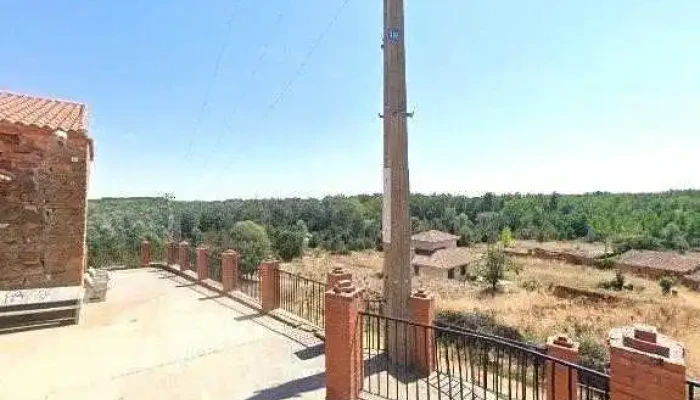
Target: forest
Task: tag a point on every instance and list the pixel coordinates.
(283, 227)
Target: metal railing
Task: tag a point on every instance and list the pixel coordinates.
(249, 284)
(405, 360)
(693, 389)
(214, 266)
(302, 297)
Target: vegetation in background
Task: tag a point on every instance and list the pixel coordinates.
(666, 284)
(341, 224)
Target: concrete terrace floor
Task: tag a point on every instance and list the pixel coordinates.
(158, 336)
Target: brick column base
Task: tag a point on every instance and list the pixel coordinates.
(229, 270)
(269, 285)
(422, 312)
(202, 263)
(343, 342)
(145, 253)
(645, 365)
(561, 383)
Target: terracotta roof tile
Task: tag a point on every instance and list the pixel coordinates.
(434, 236)
(666, 261)
(42, 112)
(448, 258)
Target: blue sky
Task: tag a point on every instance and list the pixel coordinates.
(567, 96)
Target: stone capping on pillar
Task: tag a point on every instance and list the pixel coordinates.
(343, 345)
(422, 313)
(202, 263)
(229, 270)
(562, 380)
(269, 285)
(145, 253)
(336, 275)
(646, 365)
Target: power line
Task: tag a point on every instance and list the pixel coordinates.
(307, 57)
(256, 68)
(217, 68)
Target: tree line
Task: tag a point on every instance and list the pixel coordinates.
(283, 227)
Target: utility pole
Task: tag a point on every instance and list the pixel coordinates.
(396, 226)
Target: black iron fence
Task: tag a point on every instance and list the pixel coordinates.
(302, 297)
(249, 283)
(693, 389)
(404, 360)
(214, 266)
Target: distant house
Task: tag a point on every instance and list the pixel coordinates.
(436, 255)
(655, 264)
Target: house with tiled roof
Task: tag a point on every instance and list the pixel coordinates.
(45, 155)
(435, 254)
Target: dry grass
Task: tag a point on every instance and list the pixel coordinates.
(538, 313)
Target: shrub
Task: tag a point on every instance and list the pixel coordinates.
(506, 237)
(288, 244)
(479, 322)
(666, 284)
(494, 267)
(593, 354)
(617, 283)
(531, 285)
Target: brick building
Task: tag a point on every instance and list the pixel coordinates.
(45, 155)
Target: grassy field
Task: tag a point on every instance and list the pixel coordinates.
(531, 306)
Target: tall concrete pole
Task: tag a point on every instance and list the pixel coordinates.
(396, 226)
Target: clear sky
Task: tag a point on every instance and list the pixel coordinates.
(529, 96)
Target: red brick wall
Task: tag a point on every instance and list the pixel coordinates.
(43, 188)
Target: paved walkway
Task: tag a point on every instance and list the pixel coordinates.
(159, 336)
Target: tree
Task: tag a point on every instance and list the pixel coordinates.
(666, 285)
(493, 268)
(506, 237)
(288, 244)
(251, 242)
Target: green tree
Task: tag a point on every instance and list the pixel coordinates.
(494, 266)
(506, 237)
(288, 244)
(250, 241)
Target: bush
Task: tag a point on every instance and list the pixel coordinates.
(617, 283)
(666, 284)
(607, 263)
(288, 244)
(531, 285)
(250, 241)
(593, 354)
(479, 322)
(494, 267)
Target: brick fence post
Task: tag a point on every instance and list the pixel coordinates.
(202, 263)
(561, 381)
(645, 365)
(184, 256)
(145, 253)
(229, 270)
(421, 308)
(343, 342)
(336, 275)
(269, 285)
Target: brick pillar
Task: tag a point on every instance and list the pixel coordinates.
(145, 253)
(421, 308)
(171, 253)
(184, 256)
(343, 342)
(645, 365)
(229, 270)
(336, 275)
(202, 263)
(561, 383)
(269, 285)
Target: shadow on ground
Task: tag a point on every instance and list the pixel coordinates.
(292, 389)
